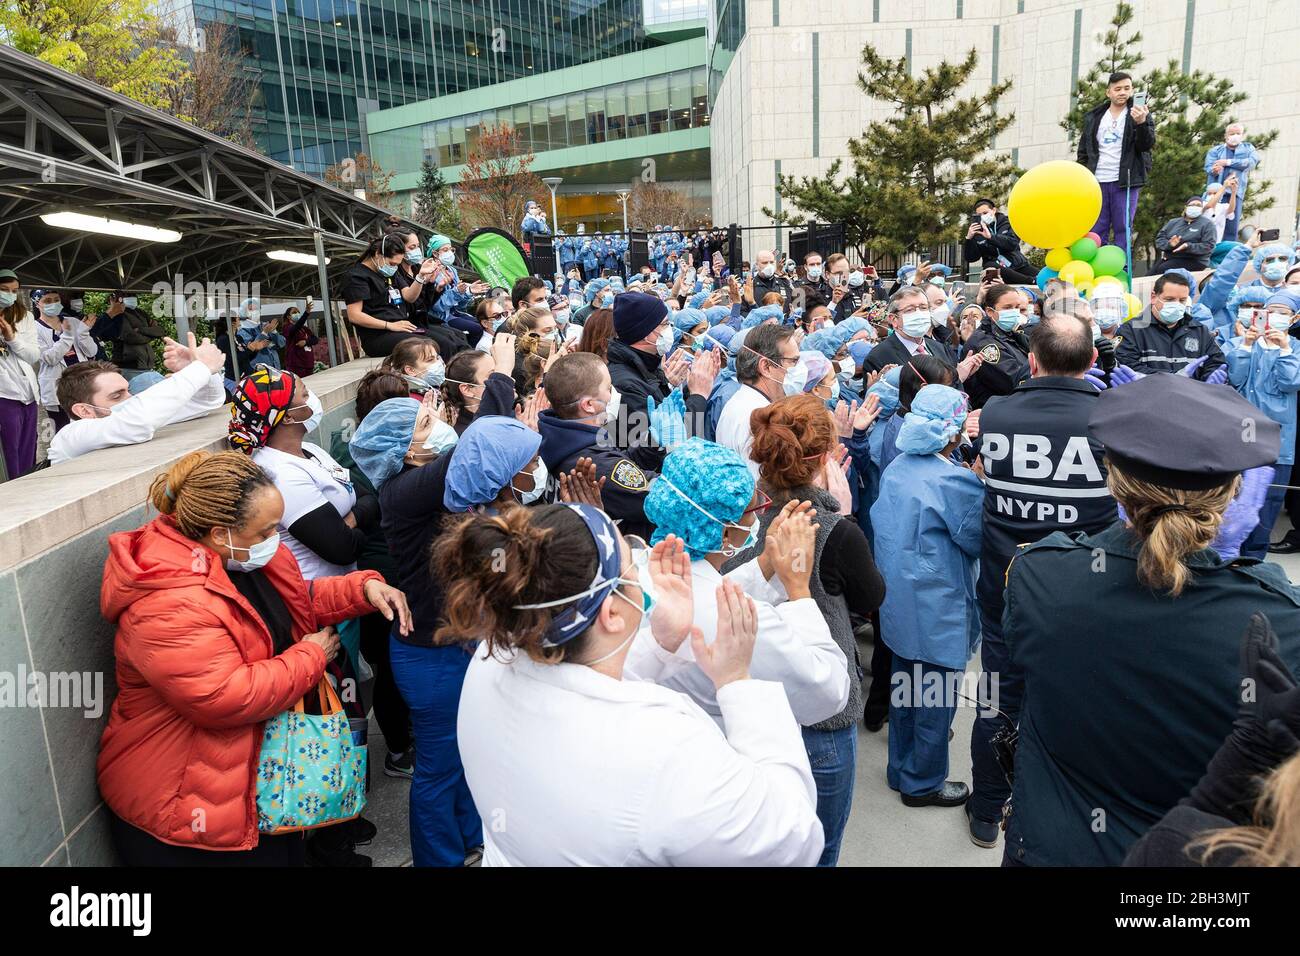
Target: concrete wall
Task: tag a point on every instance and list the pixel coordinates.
(772, 115)
(54, 528)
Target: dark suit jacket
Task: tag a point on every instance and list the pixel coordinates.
(892, 351)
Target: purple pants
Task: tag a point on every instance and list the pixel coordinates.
(1114, 216)
(18, 436)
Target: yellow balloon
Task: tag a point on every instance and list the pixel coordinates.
(1106, 280)
(1134, 305)
(1058, 258)
(1076, 271)
(1054, 203)
(1083, 288)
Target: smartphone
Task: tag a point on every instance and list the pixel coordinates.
(991, 275)
(1269, 235)
(1140, 98)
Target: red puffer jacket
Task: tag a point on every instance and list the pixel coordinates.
(197, 678)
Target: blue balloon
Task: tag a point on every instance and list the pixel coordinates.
(1045, 275)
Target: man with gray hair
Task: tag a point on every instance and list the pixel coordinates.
(1234, 156)
(765, 280)
(909, 317)
(765, 366)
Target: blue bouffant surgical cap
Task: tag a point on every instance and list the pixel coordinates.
(762, 314)
(384, 437)
(717, 314)
(937, 414)
(491, 452)
(717, 337)
(818, 365)
(886, 389)
(698, 476)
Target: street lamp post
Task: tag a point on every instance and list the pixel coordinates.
(553, 183)
(622, 197)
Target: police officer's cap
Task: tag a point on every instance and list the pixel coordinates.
(1177, 432)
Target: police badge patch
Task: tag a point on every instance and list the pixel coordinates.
(991, 354)
(629, 476)
(1191, 345)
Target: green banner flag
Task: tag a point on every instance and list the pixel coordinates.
(496, 257)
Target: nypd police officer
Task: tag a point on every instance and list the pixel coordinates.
(1000, 341)
(1129, 639)
(579, 424)
(1165, 337)
(1042, 474)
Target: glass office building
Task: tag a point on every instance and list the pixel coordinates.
(321, 65)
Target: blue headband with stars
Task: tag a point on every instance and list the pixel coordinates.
(572, 621)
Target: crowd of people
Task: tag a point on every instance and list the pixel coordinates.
(621, 560)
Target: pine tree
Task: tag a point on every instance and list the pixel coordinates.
(1190, 110)
(914, 176)
(432, 203)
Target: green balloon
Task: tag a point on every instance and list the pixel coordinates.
(1108, 261)
(1123, 277)
(1083, 249)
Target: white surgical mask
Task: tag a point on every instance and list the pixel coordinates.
(848, 366)
(7, 298)
(258, 555)
(441, 437)
(1192, 212)
(1234, 140)
(916, 324)
(939, 315)
(52, 309)
(988, 218)
(447, 258)
(561, 317)
(78, 305)
(795, 379)
(539, 485)
(130, 302)
(664, 341)
(1246, 316)
(1108, 317)
(317, 412)
(855, 278)
(767, 271)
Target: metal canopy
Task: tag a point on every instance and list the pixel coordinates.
(69, 144)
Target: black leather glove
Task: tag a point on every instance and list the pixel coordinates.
(1106, 354)
(1265, 733)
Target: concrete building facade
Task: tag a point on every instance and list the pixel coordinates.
(786, 96)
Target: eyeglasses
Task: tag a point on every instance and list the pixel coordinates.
(764, 503)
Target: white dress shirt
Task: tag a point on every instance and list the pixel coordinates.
(570, 767)
(733, 429)
(191, 392)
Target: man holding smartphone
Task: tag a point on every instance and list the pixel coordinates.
(1116, 142)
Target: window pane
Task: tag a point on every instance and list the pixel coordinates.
(679, 99)
(596, 116)
(700, 96)
(471, 131)
(657, 104)
(636, 108)
(577, 118)
(521, 124)
(615, 111)
(557, 131)
(457, 150)
(443, 134)
(541, 140)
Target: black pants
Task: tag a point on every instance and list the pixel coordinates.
(1292, 502)
(876, 707)
(1190, 263)
(137, 848)
(390, 710)
(379, 344)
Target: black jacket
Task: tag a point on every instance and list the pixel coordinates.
(892, 351)
(1148, 345)
(627, 482)
(815, 293)
(1197, 235)
(1006, 362)
(1135, 151)
(1003, 241)
(637, 375)
(1042, 472)
(778, 283)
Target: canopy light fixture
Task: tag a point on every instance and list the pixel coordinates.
(109, 227)
(288, 255)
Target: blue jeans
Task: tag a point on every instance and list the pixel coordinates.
(445, 825)
(1256, 546)
(833, 755)
(918, 734)
(989, 788)
(1114, 215)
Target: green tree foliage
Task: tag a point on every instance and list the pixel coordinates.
(118, 44)
(1190, 110)
(913, 177)
(434, 205)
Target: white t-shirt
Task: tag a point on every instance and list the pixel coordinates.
(733, 429)
(1217, 214)
(1110, 144)
(306, 484)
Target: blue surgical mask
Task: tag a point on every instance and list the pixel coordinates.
(386, 270)
(814, 272)
(258, 555)
(52, 309)
(1274, 270)
(1008, 319)
(7, 298)
(835, 394)
(414, 256)
(435, 374)
(447, 258)
(1171, 312)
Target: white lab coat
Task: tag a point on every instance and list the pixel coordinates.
(569, 767)
(191, 392)
(733, 429)
(53, 349)
(794, 646)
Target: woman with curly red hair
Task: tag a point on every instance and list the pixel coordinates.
(792, 437)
